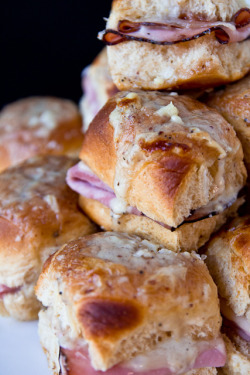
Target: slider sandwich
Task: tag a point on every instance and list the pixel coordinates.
(38, 214)
(165, 44)
(228, 260)
(38, 126)
(118, 305)
(233, 103)
(97, 86)
(165, 167)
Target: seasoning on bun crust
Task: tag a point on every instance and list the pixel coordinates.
(119, 304)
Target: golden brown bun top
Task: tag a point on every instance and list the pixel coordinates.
(37, 207)
(238, 236)
(144, 143)
(38, 125)
(158, 10)
(228, 260)
(113, 285)
(234, 100)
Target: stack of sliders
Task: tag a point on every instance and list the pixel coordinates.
(154, 164)
(159, 165)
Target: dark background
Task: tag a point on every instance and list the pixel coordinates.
(44, 46)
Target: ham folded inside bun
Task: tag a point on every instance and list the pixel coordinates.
(119, 305)
(161, 166)
(180, 44)
(228, 260)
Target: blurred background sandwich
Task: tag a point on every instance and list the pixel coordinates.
(38, 214)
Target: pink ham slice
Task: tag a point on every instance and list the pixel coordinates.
(76, 362)
(180, 30)
(239, 324)
(82, 180)
(4, 290)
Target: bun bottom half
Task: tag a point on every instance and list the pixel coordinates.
(188, 237)
(238, 360)
(22, 305)
(155, 67)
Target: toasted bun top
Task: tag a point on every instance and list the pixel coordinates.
(38, 125)
(233, 102)
(173, 147)
(160, 10)
(114, 286)
(37, 210)
(228, 260)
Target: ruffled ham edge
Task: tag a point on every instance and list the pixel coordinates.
(239, 324)
(4, 290)
(180, 30)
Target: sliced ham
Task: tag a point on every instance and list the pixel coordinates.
(156, 362)
(180, 30)
(82, 180)
(239, 324)
(4, 290)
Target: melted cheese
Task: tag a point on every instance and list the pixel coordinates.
(177, 355)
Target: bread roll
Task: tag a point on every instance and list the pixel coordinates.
(38, 126)
(233, 102)
(38, 214)
(117, 299)
(165, 158)
(228, 260)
